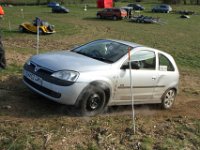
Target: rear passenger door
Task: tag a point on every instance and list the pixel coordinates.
(110, 13)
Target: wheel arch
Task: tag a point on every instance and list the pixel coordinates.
(101, 84)
(173, 88)
(169, 104)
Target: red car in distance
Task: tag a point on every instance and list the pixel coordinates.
(112, 13)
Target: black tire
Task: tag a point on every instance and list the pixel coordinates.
(21, 29)
(41, 31)
(50, 28)
(99, 16)
(92, 102)
(168, 99)
(114, 17)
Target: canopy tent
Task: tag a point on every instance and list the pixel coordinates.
(104, 3)
(1, 11)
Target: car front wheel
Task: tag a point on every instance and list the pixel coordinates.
(168, 99)
(41, 31)
(92, 102)
(21, 29)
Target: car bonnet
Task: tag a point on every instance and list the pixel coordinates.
(66, 60)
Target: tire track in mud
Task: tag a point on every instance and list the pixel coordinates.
(184, 105)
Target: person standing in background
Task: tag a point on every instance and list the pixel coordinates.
(2, 55)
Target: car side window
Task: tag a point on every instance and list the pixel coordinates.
(164, 63)
(143, 60)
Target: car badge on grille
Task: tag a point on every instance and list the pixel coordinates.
(36, 68)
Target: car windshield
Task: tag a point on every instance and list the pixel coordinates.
(104, 50)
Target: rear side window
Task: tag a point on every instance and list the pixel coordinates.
(165, 64)
(116, 10)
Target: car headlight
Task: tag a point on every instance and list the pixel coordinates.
(28, 62)
(66, 75)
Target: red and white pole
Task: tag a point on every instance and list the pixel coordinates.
(131, 87)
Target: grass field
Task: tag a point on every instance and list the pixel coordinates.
(29, 121)
(180, 37)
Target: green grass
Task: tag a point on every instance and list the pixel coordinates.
(147, 143)
(179, 37)
(11, 69)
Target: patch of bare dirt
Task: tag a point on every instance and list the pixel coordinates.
(25, 115)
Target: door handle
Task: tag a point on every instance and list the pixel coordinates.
(154, 78)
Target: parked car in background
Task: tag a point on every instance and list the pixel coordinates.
(97, 74)
(112, 13)
(53, 4)
(60, 9)
(163, 8)
(136, 6)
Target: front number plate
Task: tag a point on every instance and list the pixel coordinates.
(33, 77)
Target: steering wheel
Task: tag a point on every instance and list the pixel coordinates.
(96, 53)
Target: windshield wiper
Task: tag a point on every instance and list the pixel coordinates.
(98, 58)
(82, 53)
(103, 59)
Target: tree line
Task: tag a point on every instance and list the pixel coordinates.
(44, 2)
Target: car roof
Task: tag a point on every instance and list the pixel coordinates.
(126, 7)
(126, 43)
(134, 45)
(113, 8)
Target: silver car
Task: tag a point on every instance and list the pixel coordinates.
(97, 74)
(163, 8)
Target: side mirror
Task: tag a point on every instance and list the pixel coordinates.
(125, 66)
(134, 65)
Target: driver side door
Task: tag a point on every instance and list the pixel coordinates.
(143, 75)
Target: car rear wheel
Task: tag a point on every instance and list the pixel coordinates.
(99, 16)
(138, 21)
(168, 99)
(92, 102)
(114, 18)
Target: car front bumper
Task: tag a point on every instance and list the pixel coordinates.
(61, 94)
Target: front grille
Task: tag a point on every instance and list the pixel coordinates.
(45, 74)
(42, 71)
(42, 89)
